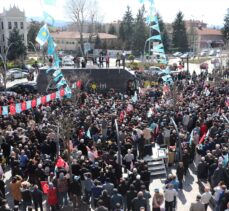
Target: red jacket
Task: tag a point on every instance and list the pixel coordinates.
(52, 196)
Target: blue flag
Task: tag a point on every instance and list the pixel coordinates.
(68, 92)
(28, 104)
(88, 134)
(50, 2)
(56, 73)
(156, 27)
(5, 110)
(58, 94)
(48, 98)
(38, 101)
(61, 83)
(43, 35)
(51, 46)
(135, 97)
(18, 108)
(48, 18)
(58, 77)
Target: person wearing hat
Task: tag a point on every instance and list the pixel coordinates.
(158, 200)
(197, 206)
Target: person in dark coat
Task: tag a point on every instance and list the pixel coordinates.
(37, 196)
(185, 159)
(202, 170)
(180, 174)
(219, 175)
(130, 195)
(139, 202)
(82, 147)
(106, 199)
(75, 190)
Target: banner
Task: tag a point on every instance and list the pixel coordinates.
(43, 35)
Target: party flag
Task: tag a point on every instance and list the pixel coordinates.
(57, 94)
(5, 111)
(57, 72)
(57, 78)
(43, 35)
(51, 46)
(48, 98)
(18, 108)
(44, 186)
(50, 69)
(53, 96)
(34, 103)
(38, 101)
(28, 104)
(156, 37)
(79, 84)
(156, 27)
(61, 163)
(68, 92)
(62, 92)
(23, 106)
(50, 2)
(191, 137)
(61, 83)
(135, 97)
(0, 110)
(43, 99)
(48, 18)
(88, 134)
(12, 109)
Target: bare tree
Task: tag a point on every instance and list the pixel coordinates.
(81, 12)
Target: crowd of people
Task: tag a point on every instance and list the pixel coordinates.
(84, 167)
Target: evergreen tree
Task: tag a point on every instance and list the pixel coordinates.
(164, 33)
(179, 37)
(18, 48)
(140, 33)
(98, 42)
(34, 28)
(126, 29)
(112, 29)
(225, 29)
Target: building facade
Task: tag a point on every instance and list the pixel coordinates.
(10, 19)
(69, 41)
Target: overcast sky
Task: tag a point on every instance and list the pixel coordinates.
(210, 11)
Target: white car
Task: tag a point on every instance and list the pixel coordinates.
(15, 73)
(177, 54)
(212, 53)
(153, 70)
(68, 63)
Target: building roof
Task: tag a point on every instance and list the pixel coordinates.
(76, 35)
(207, 31)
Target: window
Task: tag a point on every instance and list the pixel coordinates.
(9, 25)
(2, 25)
(15, 25)
(22, 25)
(3, 38)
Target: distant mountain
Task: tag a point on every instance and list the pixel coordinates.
(57, 23)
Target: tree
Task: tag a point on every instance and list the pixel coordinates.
(225, 29)
(140, 33)
(80, 12)
(164, 33)
(98, 42)
(34, 28)
(179, 37)
(126, 29)
(112, 29)
(17, 48)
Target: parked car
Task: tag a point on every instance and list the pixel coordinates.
(204, 52)
(24, 88)
(68, 63)
(15, 73)
(177, 54)
(184, 56)
(204, 66)
(212, 53)
(153, 70)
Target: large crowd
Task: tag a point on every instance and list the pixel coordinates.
(84, 168)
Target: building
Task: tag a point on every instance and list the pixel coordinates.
(68, 41)
(199, 35)
(9, 19)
